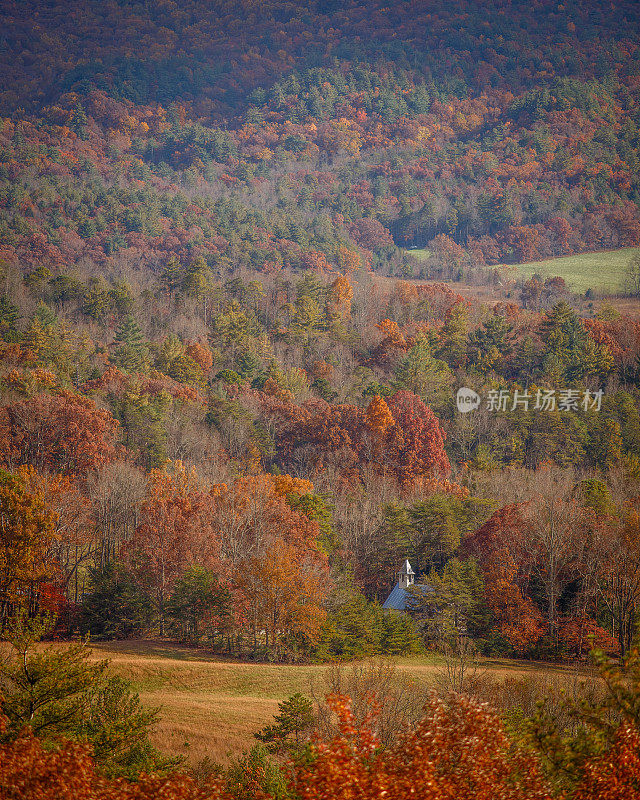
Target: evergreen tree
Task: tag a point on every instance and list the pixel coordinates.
(438, 524)
(453, 337)
(44, 315)
(564, 339)
(131, 353)
(44, 689)
(351, 629)
(398, 634)
(256, 774)
(526, 360)
(64, 288)
(419, 372)
(196, 594)
(291, 727)
(121, 297)
(489, 347)
(9, 316)
(115, 605)
(198, 279)
(143, 418)
(448, 603)
(117, 726)
(58, 692)
(172, 276)
(97, 301)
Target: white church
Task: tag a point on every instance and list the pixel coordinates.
(398, 598)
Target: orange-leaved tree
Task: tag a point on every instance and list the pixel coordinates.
(415, 446)
(459, 751)
(31, 771)
(282, 592)
(497, 545)
(176, 530)
(75, 541)
(253, 509)
(27, 529)
(379, 419)
(339, 297)
(614, 775)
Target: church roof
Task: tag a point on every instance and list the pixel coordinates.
(399, 598)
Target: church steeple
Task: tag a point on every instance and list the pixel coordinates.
(398, 598)
(406, 575)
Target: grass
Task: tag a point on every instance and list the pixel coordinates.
(211, 706)
(604, 272)
(422, 254)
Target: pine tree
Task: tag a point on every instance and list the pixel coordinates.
(58, 692)
(398, 635)
(172, 276)
(115, 605)
(291, 727)
(121, 297)
(490, 345)
(449, 601)
(131, 353)
(564, 339)
(196, 594)
(352, 629)
(453, 336)
(198, 282)
(97, 301)
(419, 372)
(44, 689)
(44, 315)
(9, 316)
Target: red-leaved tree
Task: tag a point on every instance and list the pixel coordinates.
(62, 433)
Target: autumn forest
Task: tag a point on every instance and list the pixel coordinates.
(264, 338)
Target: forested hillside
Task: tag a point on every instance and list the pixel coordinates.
(232, 397)
(272, 135)
(206, 383)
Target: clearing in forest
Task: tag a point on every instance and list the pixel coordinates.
(212, 706)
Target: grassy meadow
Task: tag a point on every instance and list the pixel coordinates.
(212, 706)
(603, 272)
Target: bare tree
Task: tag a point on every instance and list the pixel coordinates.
(116, 491)
(618, 574)
(633, 276)
(374, 685)
(460, 670)
(560, 537)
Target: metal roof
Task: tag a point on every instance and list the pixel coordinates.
(397, 599)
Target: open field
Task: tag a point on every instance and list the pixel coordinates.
(604, 272)
(420, 253)
(212, 706)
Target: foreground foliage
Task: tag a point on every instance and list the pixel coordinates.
(56, 693)
(458, 750)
